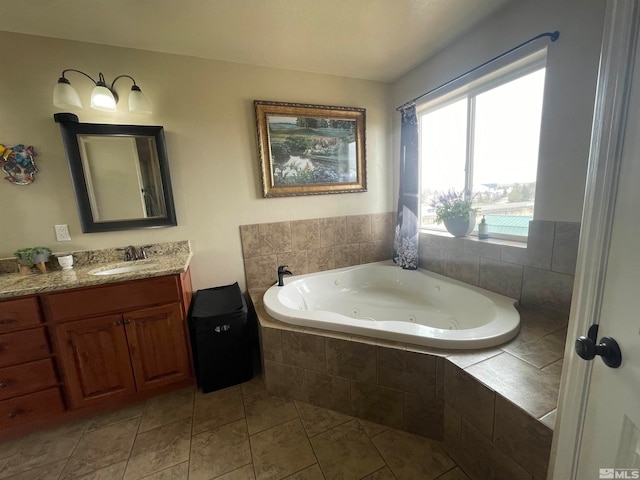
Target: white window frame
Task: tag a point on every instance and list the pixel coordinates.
(470, 86)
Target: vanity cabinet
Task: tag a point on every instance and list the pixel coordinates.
(67, 353)
(95, 357)
(29, 386)
(114, 356)
(120, 340)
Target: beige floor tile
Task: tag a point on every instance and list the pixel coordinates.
(410, 456)
(112, 472)
(455, 474)
(317, 419)
(43, 447)
(243, 473)
(253, 386)
(346, 452)
(281, 451)
(159, 448)
(10, 447)
(265, 411)
(219, 451)
(101, 448)
(217, 408)
(372, 428)
(167, 408)
(177, 472)
(51, 471)
(382, 474)
(310, 473)
(115, 416)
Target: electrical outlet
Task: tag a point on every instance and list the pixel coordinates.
(62, 233)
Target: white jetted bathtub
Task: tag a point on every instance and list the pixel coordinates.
(384, 301)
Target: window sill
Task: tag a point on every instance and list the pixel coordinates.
(475, 239)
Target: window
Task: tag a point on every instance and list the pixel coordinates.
(484, 137)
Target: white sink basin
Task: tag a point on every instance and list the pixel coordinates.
(122, 269)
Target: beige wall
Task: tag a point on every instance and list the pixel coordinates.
(206, 108)
(572, 65)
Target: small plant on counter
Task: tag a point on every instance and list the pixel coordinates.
(28, 257)
(456, 210)
(454, 205)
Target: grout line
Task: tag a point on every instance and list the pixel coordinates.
(193, 416)
(135, 437)
(84, 431)
(448, 471)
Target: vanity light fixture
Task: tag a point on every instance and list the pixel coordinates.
(103, 97)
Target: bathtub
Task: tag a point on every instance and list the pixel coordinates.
(384, 301)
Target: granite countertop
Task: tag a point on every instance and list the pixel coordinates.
(164, 259)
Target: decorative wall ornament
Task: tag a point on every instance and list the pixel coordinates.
(17, 162)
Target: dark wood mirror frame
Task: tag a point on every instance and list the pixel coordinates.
(71, 128)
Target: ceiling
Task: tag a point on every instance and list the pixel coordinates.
(368, 39)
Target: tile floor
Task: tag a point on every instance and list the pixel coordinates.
(240, 433)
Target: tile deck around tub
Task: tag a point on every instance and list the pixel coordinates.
(525, 370)
(498, 400)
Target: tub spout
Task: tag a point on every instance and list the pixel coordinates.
(282, 271)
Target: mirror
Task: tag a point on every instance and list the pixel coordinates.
(120, 174)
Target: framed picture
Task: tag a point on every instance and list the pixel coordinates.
(311, 149)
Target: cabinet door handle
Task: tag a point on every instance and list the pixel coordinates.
(127, 321)
(115, 324)
(8, 321)
(14, 413)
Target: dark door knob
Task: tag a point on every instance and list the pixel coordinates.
(608, 348)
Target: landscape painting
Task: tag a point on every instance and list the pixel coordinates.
(310, 149)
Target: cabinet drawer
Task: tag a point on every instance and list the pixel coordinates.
(27, 408)
(117, 297)
(19, 347)
(27, 378)
(23, 312)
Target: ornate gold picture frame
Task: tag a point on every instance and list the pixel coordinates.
(311, 149)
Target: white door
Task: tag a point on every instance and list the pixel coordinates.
(598, 429)
(611, 437)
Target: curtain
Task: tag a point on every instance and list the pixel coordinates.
(405, 245)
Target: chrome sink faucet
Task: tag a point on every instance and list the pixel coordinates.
(130, 253)
(282, 271)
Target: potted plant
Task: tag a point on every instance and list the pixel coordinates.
(28, 257)
(456, 211)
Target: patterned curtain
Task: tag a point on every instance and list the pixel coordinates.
(405, 246)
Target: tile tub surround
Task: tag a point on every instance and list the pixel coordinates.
(167, 258)
(314, 245)
(539, 274)
(494, 408)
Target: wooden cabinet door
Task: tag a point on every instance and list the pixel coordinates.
(95, 357)
(158, 346)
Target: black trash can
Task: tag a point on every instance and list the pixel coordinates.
(220, 337)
